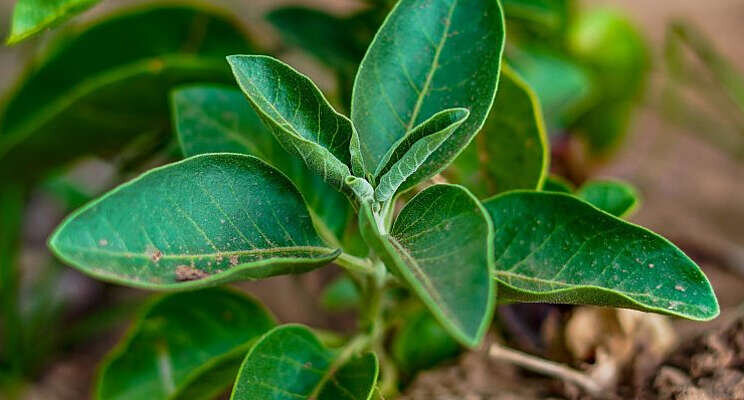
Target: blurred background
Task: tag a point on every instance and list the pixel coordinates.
(677, 134)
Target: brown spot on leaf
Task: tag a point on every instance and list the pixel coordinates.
(103, 242)
(156, 255)
(233, 260)
(186, 273)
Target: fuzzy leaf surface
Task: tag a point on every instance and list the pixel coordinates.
(103, 85)
(440, 246)
(290, 363)
(412, 151)
(552, 247)
(206, 220)
(214, 119)
(427, 56)
(182, 345)
(511, 151)
(300, 117)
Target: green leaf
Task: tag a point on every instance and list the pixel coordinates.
(440, 246)
(426, 57)
(188, 342)
(213, 119)
(557, 183)
(207, 220)
(614, 197)
(289, 362)
(546, 15)
(12, 200)
(300, 117)
(562, 100)
(422, 343)
(340, 295)
(32, 16)
(97, 89)
(511, 152)
(412, 151)
(555, 248)
(330, 39)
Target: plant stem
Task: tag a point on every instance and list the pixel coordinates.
(355, 264)
(537, 364)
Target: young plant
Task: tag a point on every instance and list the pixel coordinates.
(284, 184)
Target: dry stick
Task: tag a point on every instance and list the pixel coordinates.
(546, 367)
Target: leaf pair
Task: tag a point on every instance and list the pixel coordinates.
(194, 344)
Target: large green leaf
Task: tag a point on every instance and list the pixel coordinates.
(206, 220)
(511, 152)
(189, 342)
(212, 119)
(426, 57)
(32, 16)
(440, 245)
(615, 197)
(411, 151)
(422, 343)
(290, 363)
(553, 247)
(99, 87)
(557, 183)
(300, 117)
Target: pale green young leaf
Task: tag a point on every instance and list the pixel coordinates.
(182, 345)
(440, 245)
(555, 248)
(100, 86)
(32, 16)
(300, 117)
(207, 220)
(511, 151)
(426, 57)
(412, 151)
(290, 363)
(213, 119)
(617, 198)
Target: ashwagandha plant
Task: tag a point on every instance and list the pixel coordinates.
(284, 184)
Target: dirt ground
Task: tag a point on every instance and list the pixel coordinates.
(692, 193)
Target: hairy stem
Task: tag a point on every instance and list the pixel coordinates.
(539, 365)
(356, 264)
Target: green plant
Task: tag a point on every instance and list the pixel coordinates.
(283, 184)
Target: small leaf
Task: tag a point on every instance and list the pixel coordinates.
(615, 197)
(426, 57)
(99, 87)
(290, 363)
(361, 188)
(422, 343)
(214, 119)
(184, 342)
(440, 246)
(511, 151)
(32, 16)
(300, 117)
(557, 183)
(340, 295)
(555, 248)
(207, 220)
(412, 151)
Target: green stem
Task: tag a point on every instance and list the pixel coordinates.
(355, 264)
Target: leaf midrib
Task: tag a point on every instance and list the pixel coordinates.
(130, 255)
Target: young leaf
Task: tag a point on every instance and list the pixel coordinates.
(179, 341)
(615, 197)
(422, 343)
(426, 57)
(32, 16)
(340, 295)
(207, 220)
(557, 183)
(300, 117)
(97, 89)
(511, 151)
(440, 246)
(214, 119)
(290, 363)
(411, 151)
(552, 247)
